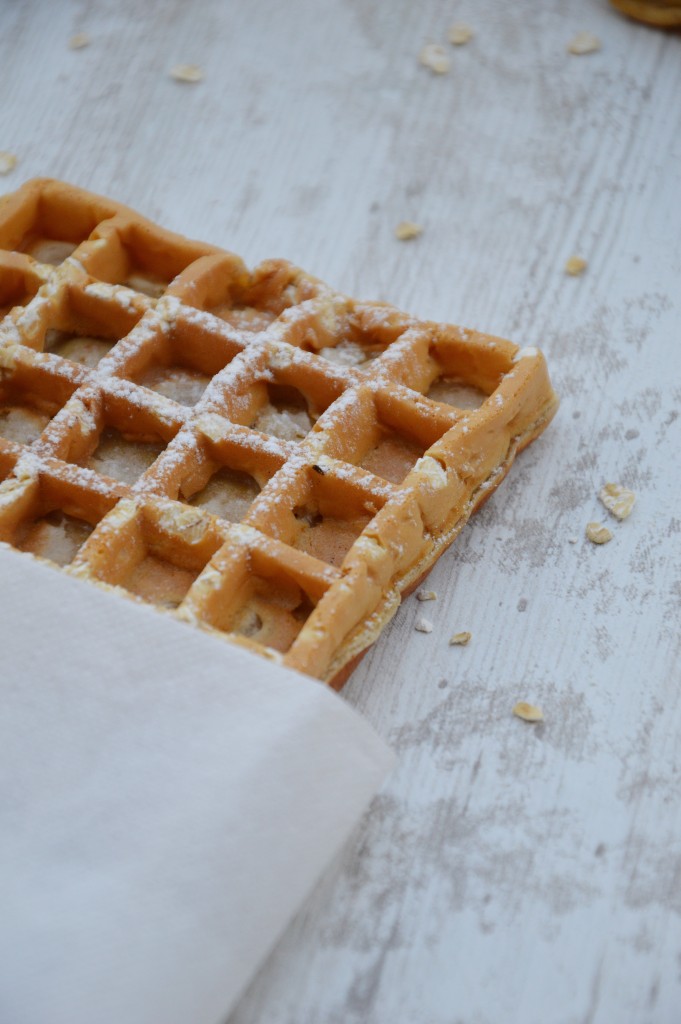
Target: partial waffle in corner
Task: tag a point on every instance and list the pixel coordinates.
(249, 450)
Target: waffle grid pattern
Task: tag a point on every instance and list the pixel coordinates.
(251, 451)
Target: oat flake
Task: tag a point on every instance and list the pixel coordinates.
(406, 229)
(575, 266)
(8, 162)
(459, 34)
(187, 73)
(584, 42)
(78, 41)
(617, 499)
(597, 533)
(528, 712)
(423, 625)
(460, 639)
(426, 595)
(434, 57)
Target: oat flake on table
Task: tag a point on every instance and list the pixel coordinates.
(597, 533)
(186, 73)
(584, 42)
(407, 229)
(459, 34)
(8, 162)
(80, 40)
(528, 712)
(575, 266)
(617, 499)
(434, 57)
(460, 639)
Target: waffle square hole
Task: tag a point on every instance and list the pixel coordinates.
(180, 383)
(328, 538)
(271, 612)
(21, 422)
(329, 512)
(286, 415)
(226, 476)
(399, 430)
(147, 283)
(392, 456)
(52, 228)
(159, 581)
(455, 392)
(253, 305)
(244, 317)
(85, 349)
(181, 363)
(121, 457)
(351, 353)
(143, 258)
(153, 551)
(163, 568)
(87, 325)
(30, 397)
(229, 494)
(144, 276)
(55, 536)
(465, 367)
(49, 250)
(25, 413)
(369, 331)
(58, 520)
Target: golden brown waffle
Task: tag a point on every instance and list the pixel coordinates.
(252, 451)
(660, 13)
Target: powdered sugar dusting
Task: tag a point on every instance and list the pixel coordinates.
(275, 355)
(526, 353)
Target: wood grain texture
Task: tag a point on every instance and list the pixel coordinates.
(516, 873)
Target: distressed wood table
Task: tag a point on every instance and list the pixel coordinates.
(529, 874)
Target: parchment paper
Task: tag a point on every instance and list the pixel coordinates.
(167, 800)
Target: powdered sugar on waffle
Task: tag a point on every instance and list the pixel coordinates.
(115, 293)
(307, 339)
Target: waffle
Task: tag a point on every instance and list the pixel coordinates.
(660, 13)
(249, 451)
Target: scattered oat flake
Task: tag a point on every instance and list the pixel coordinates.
(617, 499)
(572, 540)
(434, 57)
(597, 533)
(406, 229)
(78, 41)
(528, 712)
(8, 162)
(575, 266)
(584, 42)
(423, 625)
(426, 595)
(460, 639)
(187, 73)
(459, 34)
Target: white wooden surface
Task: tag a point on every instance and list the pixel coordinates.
(530, 875)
